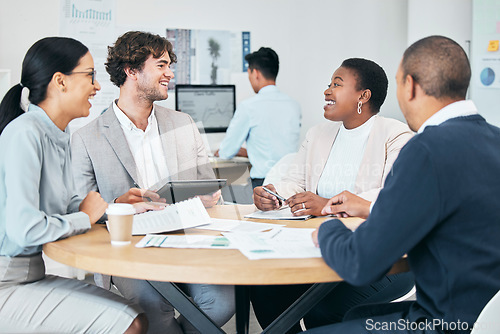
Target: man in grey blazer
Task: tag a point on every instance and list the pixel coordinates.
(133, 145)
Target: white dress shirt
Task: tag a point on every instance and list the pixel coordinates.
(342, 166)
(455, 109)
(146, 148)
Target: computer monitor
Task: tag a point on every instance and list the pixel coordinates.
(211, 105)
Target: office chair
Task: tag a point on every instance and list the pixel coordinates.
(488, 322)
(279, 169)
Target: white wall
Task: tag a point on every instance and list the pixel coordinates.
(454, 18)
(22, 23)
(450, 18)
(311, 37)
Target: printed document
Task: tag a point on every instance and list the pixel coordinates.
(279, 243)
(185, 241)
(182, 215)
(232, 225)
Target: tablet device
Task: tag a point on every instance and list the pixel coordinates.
(181, 190)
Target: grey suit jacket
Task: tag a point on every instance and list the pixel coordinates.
(102, 160)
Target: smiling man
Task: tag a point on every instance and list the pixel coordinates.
(135, 144)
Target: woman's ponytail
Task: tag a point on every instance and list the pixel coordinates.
(10, 107)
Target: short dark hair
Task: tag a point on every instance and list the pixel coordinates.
(266, 61)
(369, 76)
(131, 50)
(439, 65)
(43, 59)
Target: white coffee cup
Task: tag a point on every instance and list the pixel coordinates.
(120, 221)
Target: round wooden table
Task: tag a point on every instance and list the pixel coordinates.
(93, 252)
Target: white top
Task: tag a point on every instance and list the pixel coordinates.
(452, 110)
(146, 148)
(341, 168)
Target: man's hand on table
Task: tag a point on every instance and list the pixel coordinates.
(344, 205)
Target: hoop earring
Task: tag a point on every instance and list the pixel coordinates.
(359, 107)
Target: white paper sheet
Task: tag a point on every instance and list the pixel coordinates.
(282, 214)
(182, 215)
(226, 225)
(279, 243)
(185, 241)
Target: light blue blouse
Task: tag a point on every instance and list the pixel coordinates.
(37, 197)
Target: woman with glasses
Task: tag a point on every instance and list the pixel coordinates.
(38, 203)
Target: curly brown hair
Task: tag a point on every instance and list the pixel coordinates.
(131, 50)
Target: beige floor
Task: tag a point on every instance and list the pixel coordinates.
(254, 327)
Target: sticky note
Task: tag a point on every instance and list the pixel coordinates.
(493, 46)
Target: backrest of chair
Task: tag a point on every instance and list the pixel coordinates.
(279, 169)
(488, 321)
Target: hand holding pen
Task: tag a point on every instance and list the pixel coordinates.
(137, 195)
(266, 198)
(142, 199)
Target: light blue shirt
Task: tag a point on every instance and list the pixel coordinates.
(270, 124)
(37, 197)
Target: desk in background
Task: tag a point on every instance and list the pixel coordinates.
(237, 172)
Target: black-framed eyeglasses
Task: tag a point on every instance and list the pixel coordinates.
(93, 73)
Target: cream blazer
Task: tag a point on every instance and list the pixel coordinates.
(386, 139)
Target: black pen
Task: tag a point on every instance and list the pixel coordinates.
(281, 198)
